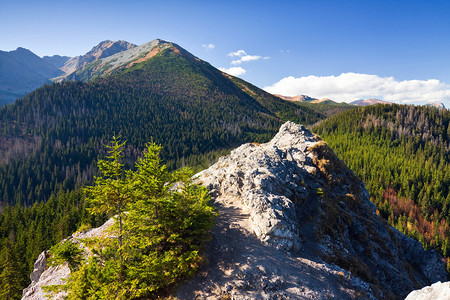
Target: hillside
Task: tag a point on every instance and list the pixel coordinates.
(51, 138)
(402, 154)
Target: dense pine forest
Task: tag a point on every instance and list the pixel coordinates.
(51, 139)
(402, 153)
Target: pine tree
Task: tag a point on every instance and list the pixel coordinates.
(10, 279)
(110, 193)
(168, 218)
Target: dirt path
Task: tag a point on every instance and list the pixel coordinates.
(241, 267)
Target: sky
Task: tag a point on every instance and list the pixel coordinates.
(393, 50)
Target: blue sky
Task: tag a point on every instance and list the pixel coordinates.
(344, 50)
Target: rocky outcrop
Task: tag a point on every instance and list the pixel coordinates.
(299, 197)
(437, 291)
(44, 275)
(265, 178)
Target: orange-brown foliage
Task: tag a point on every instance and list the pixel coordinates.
(406, 207)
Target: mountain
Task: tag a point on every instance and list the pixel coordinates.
(437, 105)
(173, 97)
(22, 71)
(102, 50)
(295, 223)
(300, 98)
(326, 106)
(56, 60)
(402, 153)
(52, 137)
(370, 101)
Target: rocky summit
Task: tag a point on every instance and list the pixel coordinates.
(294, 223)
(297, 223)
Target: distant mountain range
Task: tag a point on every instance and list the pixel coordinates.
(22, 71)
(300, 98)
(367, 102)
(308, 99)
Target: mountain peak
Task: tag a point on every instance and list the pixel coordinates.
(102, 50)
(438, 105)
(23, 51)
(371, 101)
(105, 64)
(300, 98)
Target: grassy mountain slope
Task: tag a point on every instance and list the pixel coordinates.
(402, 153)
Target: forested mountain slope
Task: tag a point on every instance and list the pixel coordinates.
(402, 155)
(50, 140)
(183, 103)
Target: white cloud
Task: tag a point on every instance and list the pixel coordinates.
(351, 86)
(238, 53)
(209, 46)
(245, 58)
(235, 71)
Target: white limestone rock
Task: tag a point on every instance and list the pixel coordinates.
(44, 275)
(264, 176)
(437, 291)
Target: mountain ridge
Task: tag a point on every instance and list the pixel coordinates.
(295, 223)
(104, 49)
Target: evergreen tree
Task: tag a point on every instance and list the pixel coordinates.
(110, 192)
(10, 279)
(167, 221)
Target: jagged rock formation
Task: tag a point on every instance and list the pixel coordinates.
(437, 291)
(117, 62)
(294, 194)
(296, 223)
(44, 275)
(102, 50)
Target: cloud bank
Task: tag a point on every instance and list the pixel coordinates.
(235, 71)
(348, 87)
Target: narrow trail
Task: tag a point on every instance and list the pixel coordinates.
(241, 267)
